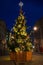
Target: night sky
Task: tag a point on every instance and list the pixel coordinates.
(9, 11)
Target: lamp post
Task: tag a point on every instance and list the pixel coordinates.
(39, 31)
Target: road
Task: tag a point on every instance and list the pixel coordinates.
(37, 59)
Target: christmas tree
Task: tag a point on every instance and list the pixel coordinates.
(19, 38)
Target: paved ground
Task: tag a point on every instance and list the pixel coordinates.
(36, 60)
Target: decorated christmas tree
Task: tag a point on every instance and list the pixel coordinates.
(19, 39)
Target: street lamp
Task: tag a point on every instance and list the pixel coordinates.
(38, 29)
(35, 28)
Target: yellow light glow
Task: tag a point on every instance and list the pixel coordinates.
(35, 28)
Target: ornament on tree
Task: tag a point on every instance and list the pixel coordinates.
(18, 33)
(19, 26)
(29, 44)
(19, 17)
(24, 22)
(27, 37)
(15, 29)
(17, 49)
(22, 17)
(12, 37)
(19, 40)
(20, 22)
(23, 33)
(23, 29)
(21, 47)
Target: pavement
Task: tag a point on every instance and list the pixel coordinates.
(37, 59)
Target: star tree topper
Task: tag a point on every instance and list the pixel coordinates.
(21, 4)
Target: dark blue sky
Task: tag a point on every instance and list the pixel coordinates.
(9, 10)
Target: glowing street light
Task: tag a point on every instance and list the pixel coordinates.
(35, 28)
